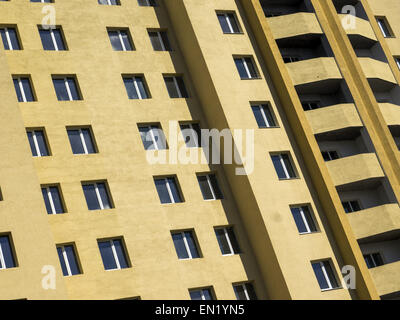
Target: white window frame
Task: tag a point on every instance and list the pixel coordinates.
(398, 62)
(329, 153)
(262, 110)
(328, 281)
(226, 16)
(121, 40)
(2, 260)
(96, 188)
(247, 68)
(191, 133)
(186, 244)
(309, 103)
(8, 38)
(243, 285)
(177, 87)
(53, 39)
(110, 4)
(293, 58)
(303, 217)
(284, 165)
(202, 292)
(67, 86)
(382, 25)
(114, 251)
(371, 255)
(351, 206)
(229, 242)
(21, 88)
(134, 78)
(83, 139)
(159, 37)
(171, 196)
(53, 208)
(35, 142)
(210, 186)
(66, 261)
(152, 136)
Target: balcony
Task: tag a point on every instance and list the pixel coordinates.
(378, 73)
(391, 113)
(294, 25)
(318, 74)
(362, 169)
(362, 36)
(334, 118)
(387, 278)
(376, 223)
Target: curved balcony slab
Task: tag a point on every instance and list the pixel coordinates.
(386, 278)
(377, 223)
(356, 168)
(391, 113)
(362, 36)
(293, 25)
(334, 118)
(319, 74)
(378, 73)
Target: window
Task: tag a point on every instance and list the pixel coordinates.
(209, 187)
(168, 190)
(109, 2)
(290, 59)
(227, 241)
(159, 40)
(228, 22)
(310, 105)
(66, 88)
(283, 166)
(52, 200)
(244, 291)
(176, 87)
(81, 140)
(120, 40)
(23, 89)
(397, 59)
(113, 254)
(147, 3)
(185, 245)
(304, 219)
(37, 142)
(97, 196)
(384, 26)
(191, 134)
(10, 38)
(264, 116)
(373, 260)
(330, 155)
(325, 275)
(68, 260)
(52, 39)
(153, 137)
(7, 259)
(246, 68)
(135, 87)
(201, 294)
(351, 206)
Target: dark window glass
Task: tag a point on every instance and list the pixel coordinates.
(8, 256)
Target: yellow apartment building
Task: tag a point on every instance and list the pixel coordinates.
(95, 93)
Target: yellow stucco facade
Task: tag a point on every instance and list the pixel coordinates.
(348, 76)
